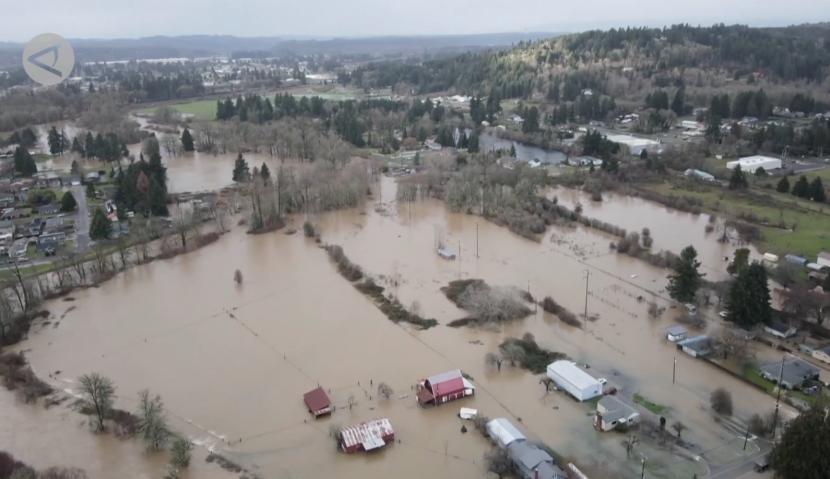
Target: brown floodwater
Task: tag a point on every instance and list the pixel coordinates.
(59, 436)
(186, 172)
(232, 362)
(672, 230)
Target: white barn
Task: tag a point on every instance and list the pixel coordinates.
(752, 163)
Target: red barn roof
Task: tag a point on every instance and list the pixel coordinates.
(317, 400)
(446, 383)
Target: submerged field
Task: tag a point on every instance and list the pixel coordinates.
(806, 224)
(232, 362)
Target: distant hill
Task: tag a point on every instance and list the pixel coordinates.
(207, 45)
(619, 62)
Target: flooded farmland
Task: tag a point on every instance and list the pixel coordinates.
(232, 362)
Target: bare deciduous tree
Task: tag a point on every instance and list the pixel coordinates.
(99, 393)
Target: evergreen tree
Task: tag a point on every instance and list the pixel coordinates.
(89, 145)
(265, 173)
(100, 227)
(77, 147)
(738, 180)
(473, 142)
(783, 185)
(748, 302)
(55, 140)
(804, 449)
(157, 198)
(241, 173)
(817, 192)
(686, 280)
(68, 203)
(801, 188)
(678, 105)
(90, 190)
(23, 162)
(187, 140)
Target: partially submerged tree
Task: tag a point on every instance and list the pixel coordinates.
(99, 393)
(721, 401)
(385, 391)
(152, 423)
(686, 280)
(498, 462)
(748, 303)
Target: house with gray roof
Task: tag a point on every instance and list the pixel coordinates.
(532, 462)
(793, 373)
(613, 413)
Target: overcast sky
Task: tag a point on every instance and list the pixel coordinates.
(23, 19)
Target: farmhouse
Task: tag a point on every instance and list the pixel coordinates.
(532, 462)
(752, 163)
(613, 413)
(317, 402)
(575, 381)
(444, 387)
(367, 436)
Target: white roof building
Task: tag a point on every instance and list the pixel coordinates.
(504, 432)
(752, 163)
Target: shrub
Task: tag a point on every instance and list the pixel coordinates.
(721, 402)
(527, 354)
(308, 230)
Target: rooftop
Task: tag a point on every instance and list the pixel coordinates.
(795, 371)
(317, 399)
(369, 434)
(573, 373)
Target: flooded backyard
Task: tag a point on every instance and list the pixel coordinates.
(232, 362)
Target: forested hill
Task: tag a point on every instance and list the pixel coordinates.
(579, 61)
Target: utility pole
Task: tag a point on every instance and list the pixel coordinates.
(674, 370)
(778, 399)
(643, 471)
(587, 275)
(476, 239)
(746, 437)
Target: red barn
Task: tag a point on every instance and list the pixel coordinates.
(444, 387)
(317, 402)
(367, 436)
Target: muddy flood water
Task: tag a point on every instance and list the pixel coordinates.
(232, 362)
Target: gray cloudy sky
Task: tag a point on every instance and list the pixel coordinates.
(23, 19)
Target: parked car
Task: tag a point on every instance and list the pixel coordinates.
(761, 465)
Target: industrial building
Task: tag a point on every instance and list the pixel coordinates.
(575, 381)
(752, 163)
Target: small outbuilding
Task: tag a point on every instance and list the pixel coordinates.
(367, 436)
(444, 387)
(317, 402)
(822, 354)
(823, 259)
(613, 413)
(676, 333)
(696, 347)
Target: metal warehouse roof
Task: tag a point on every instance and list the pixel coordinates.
(570, 371)
(369, 434)
(504, 432)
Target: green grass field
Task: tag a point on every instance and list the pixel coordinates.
(202, 110)
(811, 220)
(205, 110)
(651, 406)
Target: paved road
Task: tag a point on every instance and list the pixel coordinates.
(739, 469)
(81, 219)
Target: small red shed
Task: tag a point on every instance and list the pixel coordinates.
(317, 402)
(444, 387)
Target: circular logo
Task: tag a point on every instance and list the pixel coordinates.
(48, 59)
